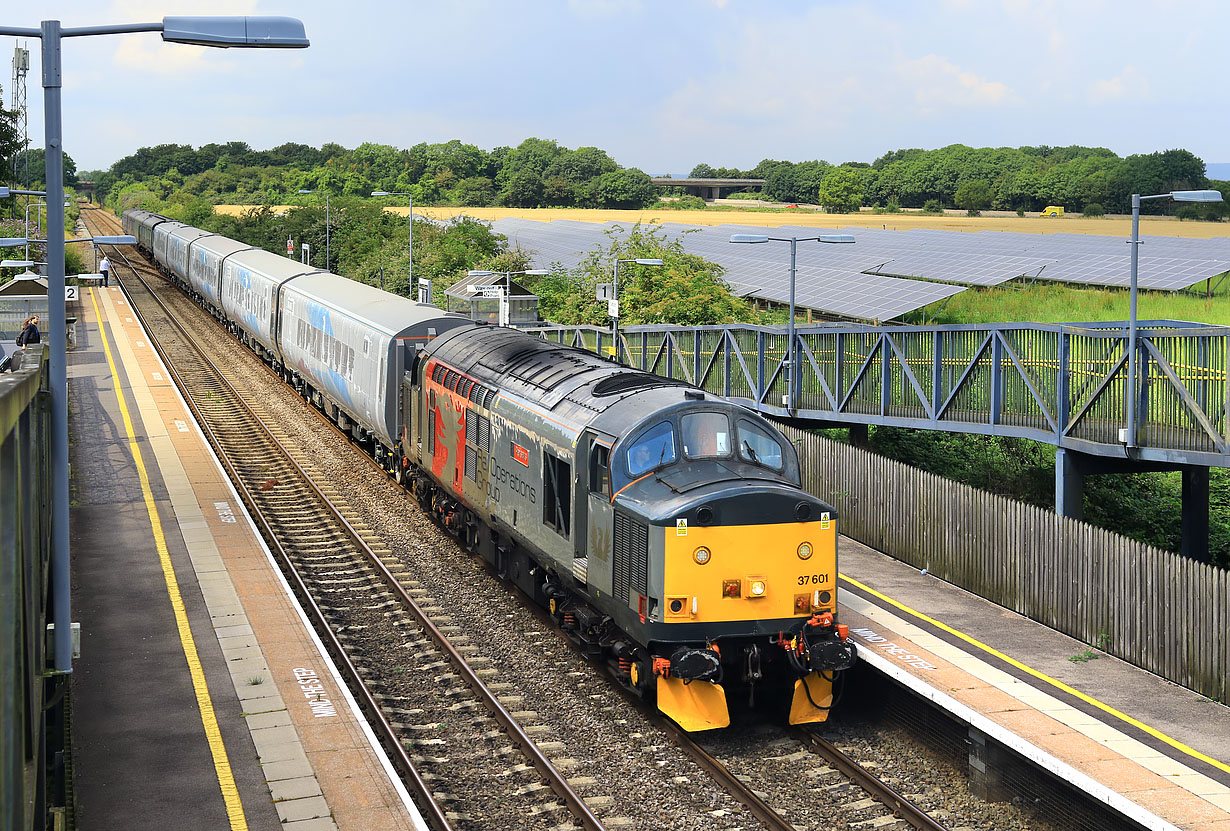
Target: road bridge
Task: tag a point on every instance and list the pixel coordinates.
(709, 188)
(1063, 384)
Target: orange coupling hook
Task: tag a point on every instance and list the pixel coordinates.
(662, 666)
(843, 631)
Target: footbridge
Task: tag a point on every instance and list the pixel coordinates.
(1063, 384)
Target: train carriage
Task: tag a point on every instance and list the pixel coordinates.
(141, 225)
(205, 268)
(251, 281)
(352, 342)
(179, 244)
(162, 232)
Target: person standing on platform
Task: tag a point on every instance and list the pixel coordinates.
(28, 335)
(104, 268)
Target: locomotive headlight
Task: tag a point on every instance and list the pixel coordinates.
(758, 588)
(701, 555)
(804, 550)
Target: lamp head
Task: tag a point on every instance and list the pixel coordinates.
(479, 273)
(751, 239)
(837, 238)
(536, 272)
(380, 193)
(1196, 195)
(304, 190)
(250, 32)
(648, 261)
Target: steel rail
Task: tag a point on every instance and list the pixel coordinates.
(879, 790)
(541, 763)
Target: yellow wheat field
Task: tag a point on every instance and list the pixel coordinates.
(1115, 226)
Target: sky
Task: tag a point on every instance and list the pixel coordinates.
(662, 85)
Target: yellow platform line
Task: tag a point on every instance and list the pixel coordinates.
(1042, 676)
(222, 765)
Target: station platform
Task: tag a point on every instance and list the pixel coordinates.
(1156, 752)
(202, 699)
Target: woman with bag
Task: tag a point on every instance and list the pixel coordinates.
(29, 332)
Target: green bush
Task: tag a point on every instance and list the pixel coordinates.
(1094, 209)
(1189, 212)
(1020, 212)
(893, 207)
(932, 206)
(973, 212)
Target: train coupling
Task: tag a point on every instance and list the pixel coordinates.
(817, 652)
(820, 646)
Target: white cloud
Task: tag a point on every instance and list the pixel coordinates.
(938, 84)
(1127, 83)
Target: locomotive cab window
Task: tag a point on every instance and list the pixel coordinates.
(599, 470)
(705, 435)
(757, 446)
(653, 448)
(556, 493)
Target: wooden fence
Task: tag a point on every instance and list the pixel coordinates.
(1159, 610)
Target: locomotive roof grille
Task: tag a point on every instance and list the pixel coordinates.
(631, 382)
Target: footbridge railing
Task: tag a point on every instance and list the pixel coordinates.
(1065, 384)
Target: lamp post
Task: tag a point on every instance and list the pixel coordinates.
(615, 291)
(276, 32)
(506, 289)
(326, 193)
(1178, 196)
(410, 217)
(755, 239)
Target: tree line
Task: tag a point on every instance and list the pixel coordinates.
(986, 178)
(536, 173)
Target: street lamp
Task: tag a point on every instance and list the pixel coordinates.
(410, 217)
(506, 289)
(326, 193)
(755, 239)
(615, 292)
(1178, 196)
(275, 32)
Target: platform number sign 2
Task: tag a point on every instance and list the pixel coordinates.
(70, 293)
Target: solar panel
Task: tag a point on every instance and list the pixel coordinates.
(929, 256)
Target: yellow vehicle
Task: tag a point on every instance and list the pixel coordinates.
(1053, 210)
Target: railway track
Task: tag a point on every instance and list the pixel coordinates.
(385, 639)
(411, 679)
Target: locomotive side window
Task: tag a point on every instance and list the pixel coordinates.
(556, 493)
(756, 445)
(705, 435)
(599, 470)
(654, 448)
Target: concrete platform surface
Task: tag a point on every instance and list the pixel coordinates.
(1155, 750)
(202, 700)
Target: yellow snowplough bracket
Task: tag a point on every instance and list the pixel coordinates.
(694, 706)
(802, 711)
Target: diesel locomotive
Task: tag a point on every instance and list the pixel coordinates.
(664, 528)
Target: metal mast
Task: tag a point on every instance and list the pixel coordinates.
(21, 68)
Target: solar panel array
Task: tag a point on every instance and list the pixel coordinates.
(886, 274)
